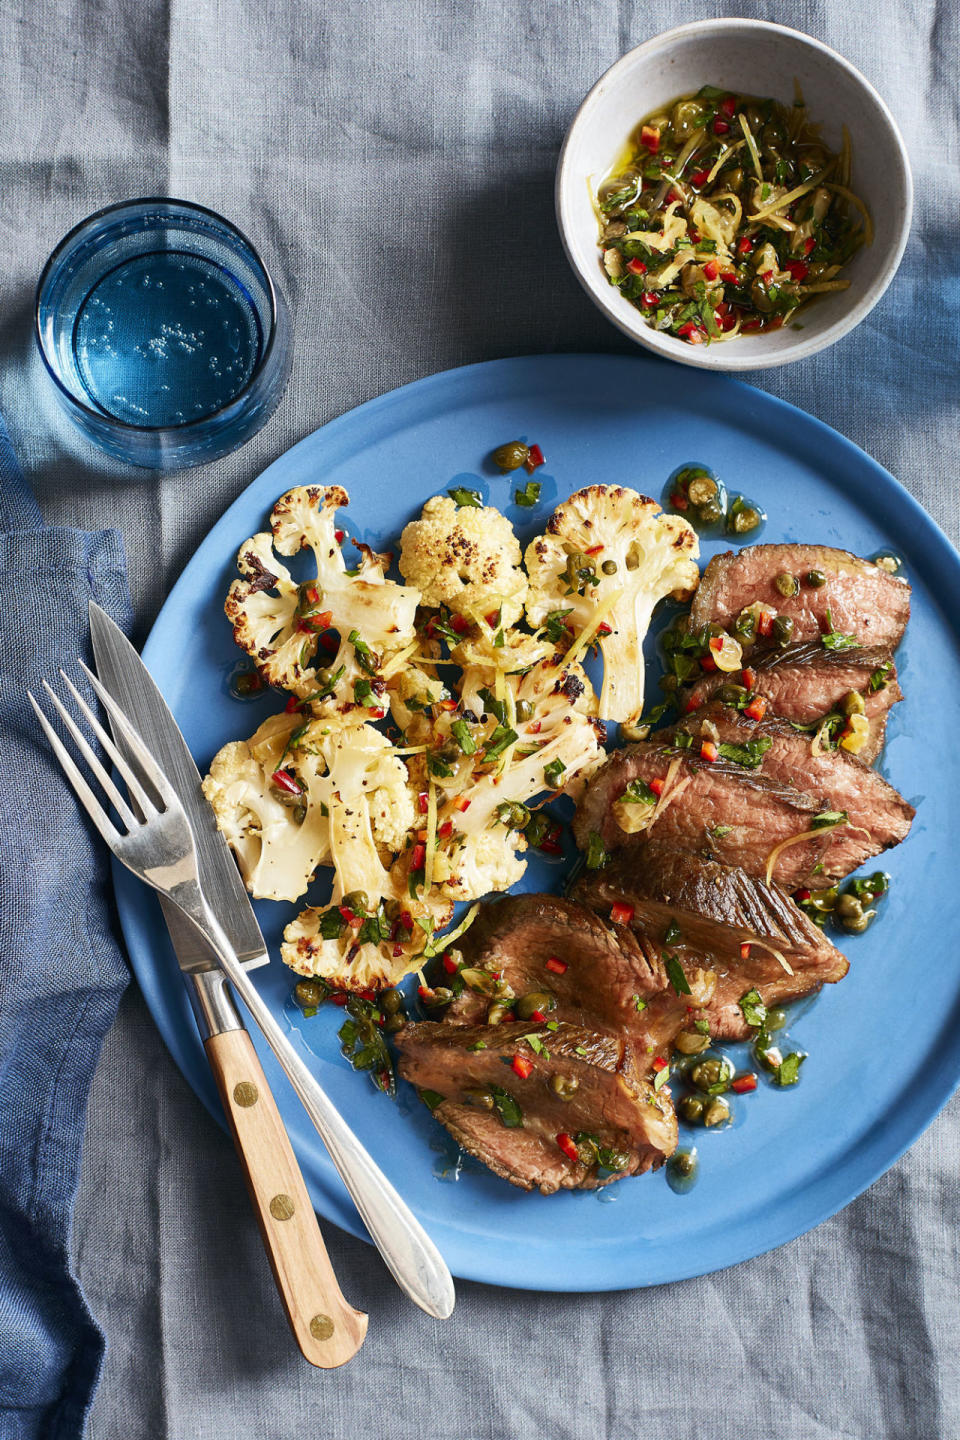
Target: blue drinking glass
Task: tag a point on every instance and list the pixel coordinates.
(166, 338)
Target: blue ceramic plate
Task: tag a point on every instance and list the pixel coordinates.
(884, 1046)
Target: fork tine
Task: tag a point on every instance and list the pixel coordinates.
(134, 741)
(122, 808)
(139, 795)
(83, 792)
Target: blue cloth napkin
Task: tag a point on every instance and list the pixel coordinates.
(61, 970)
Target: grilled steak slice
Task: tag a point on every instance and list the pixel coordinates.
(719, 908)
(614, 978)
(722, 810)
(805, 682)
(862, 599)
(606, 1100)
(879, 817)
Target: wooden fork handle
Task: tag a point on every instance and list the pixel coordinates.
(328, 1331)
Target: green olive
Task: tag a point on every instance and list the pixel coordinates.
(787, 584)
(536, 1001)
(511, 456)
(524, 710)
(754, 117)
(782, 629)
(776, 1019)
(816, 579)
(691, 1042)
(853, 703)
(848, 906)
(711, 513)
(686, 118)
(394, 1023)
(497, 1011)
(308, 994)
(715, 1071)
(358, 901)
(716, 1112)
(691, 1107)
(480, 1096)
(701, 489)
(390, 1001)
(758, 295)
(564, 1086)
(858, 923)
(773, 134)
(732, 179)
(437, 998)
(609, 567)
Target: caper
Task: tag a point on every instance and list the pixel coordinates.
(686, 118)
(715, 1071)
(633, 560)
(732, 694)
(323, 678)
(754, 117)
(524, 710)
(710, 513)
(684, 1164)
(745, 520)
(511, 456)
(609, 567)
(815, 579)
(782, 629)
(716, 1112)
(701, 489)
(390, 1001)
(692, 1108)
(536, 1001)
(787, 584)
(394, 1023)
(733, 179)
(308, 994)
(776, 1018)
(853, 703)
(358, 901)
(480, 1096)
(392, 909)
(691, 1042)
(758, 295)
(858, 923)
(497, 1011)
(564, 1086)
(848, 906)
(614, 1159)
(745, 625)
(437, 998)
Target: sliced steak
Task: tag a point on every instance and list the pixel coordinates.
(805, 682)
(718, 909)
(603, 977)
(722, 810)
(605, 1099)
(862, 599)
(878, 815)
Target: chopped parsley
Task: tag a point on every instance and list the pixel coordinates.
(675, 974)
(460, 731)
(753, 1009)
(511, 1116)
(836, 639)
(529, 495)
(596, 852)
(750, 754)
(462, 497)
(788, 1071)
(638, 792)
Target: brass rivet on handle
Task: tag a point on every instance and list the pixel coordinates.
(321, 1327)
(246, 1093)
(281, 1207)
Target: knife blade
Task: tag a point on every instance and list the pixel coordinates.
(122, 671)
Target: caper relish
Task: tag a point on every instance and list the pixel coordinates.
(726, 214)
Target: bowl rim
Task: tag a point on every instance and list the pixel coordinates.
(719, 358)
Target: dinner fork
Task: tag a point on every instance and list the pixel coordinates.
(153, 839)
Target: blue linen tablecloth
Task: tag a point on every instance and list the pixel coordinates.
(396, 160)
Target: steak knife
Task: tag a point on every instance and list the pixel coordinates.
(328, 1331)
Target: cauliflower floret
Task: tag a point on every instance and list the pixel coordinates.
(467, 559)
(362, 765)
(655, 555)
(278, 622)
(484, 862)
(279, 836)
(339, 958)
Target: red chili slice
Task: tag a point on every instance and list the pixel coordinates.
(798, 270)
(493, 620)
(450, 965)
(691, 333)
(728, 105)
(801, 895)
(568, 1147)
(423, 802)
(521, 1066)
(604, 629)
(459, 624)
(711, 269)
(285, 781)
(292, 704)
(756, 709)
(462, 803)
(621, 913)
(538, 1016)
(445, 829)
(594, 550)
(808, 244)
(659, 1063)
(558, 967)
(744, 245)
(534, 458)
(709, 751)
(729, 277)
(748, 676)
(657, 787)
(649, 299)
(418, 856)
(338, 536)
(707, 662)
(721, 127)
(679, 501)
(699, 177)
(745, 950)
(636, 267)
(651, 138)
(743, 1083)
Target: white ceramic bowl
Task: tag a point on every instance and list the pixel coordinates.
(755, 58)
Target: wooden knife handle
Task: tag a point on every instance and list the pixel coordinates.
(328, 1331)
